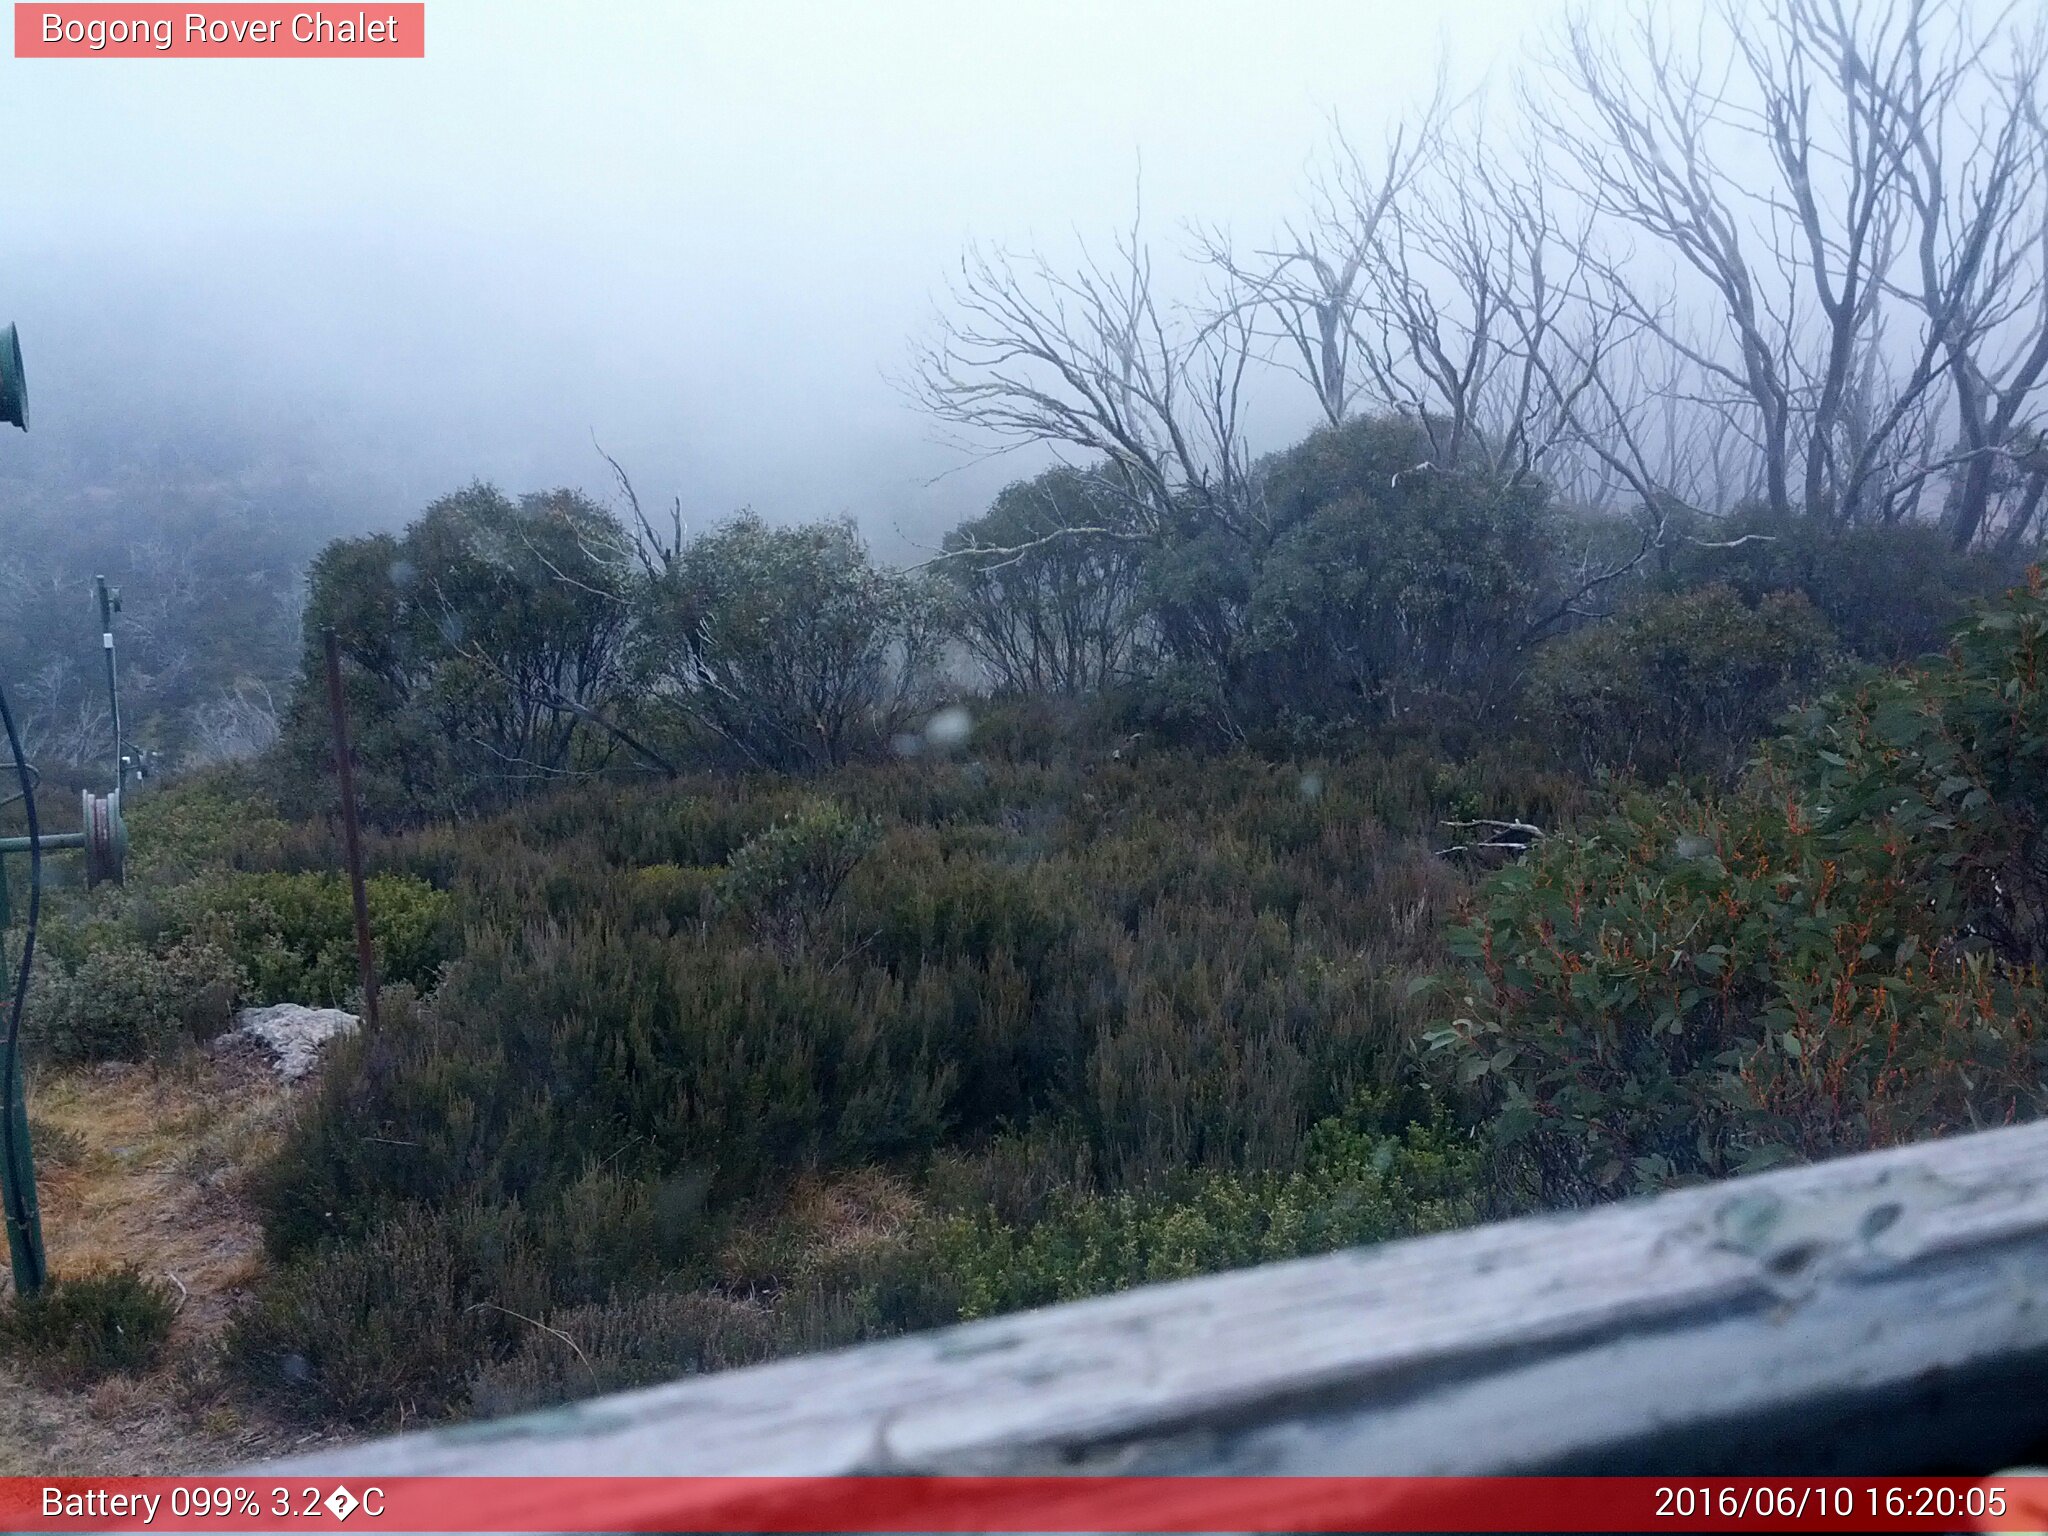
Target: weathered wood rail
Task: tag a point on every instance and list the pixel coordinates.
(1886, 1313)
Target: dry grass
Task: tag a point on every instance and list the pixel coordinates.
(143, 1166)
(150, 1176)
(850, 1213)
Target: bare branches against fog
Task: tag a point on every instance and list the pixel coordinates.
(1795, 253)
(1092, 358)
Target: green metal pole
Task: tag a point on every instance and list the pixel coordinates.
(110, 601)
(20, 845)
(17, 1166)
(24, 1217)
(17, 1162)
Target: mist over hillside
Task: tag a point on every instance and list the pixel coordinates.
(661, 226)
(266, 307)
(654, 231)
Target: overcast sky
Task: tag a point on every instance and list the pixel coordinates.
(706, 230)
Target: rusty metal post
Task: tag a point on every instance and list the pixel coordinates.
(366, 960)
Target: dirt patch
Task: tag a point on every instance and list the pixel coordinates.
(145, 1166)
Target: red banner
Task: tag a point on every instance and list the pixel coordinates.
(1053, 1504)
(241, 31)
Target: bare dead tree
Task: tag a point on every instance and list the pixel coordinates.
(1790, 260)
(237, 723)
(1971, 137)
(1849, 193)
(656, 549)
(1312, 287)
(1490, 335)
(1094, 360)
(1461, 301)
(1642, 128)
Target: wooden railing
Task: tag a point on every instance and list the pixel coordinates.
(1881, 1313)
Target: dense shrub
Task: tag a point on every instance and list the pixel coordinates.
(1890, 594)
(1055, 609)
(788, 648)
(390, 1323)
(1376, 582)
(1161, 967)
(1158, 975)
(782, 881)
(1392, 579)
(789, 1287)
(1356, 1183)
(293, 935)
(1686, 684)
(94, 1325)
(615, 1346)
(483, 647)
(1120, 1018)
(218, 819)
(131, 974)
(1845, 953)
(1950, 764)
(674, 896)
(125, 1002)
(565, 1043)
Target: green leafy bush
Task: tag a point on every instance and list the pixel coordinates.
(122, 1002)
(1845, 953)
(293, 935)
(1379, 580)
(95, 1325)
(1394, 581)
(786, 648)
(481, 648)
(132, 974)
(1891, 594)
(1686, 684)
(1950, 763)
(1057, 613)
(1357, 1183)
(782, 881)
(211, 820)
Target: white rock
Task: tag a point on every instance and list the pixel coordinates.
(290, 1035)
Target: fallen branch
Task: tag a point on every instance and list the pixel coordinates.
(492, 1306)
(1506, 837)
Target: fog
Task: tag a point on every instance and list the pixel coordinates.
(702, 234)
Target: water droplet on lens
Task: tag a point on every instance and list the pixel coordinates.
(949, 727)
